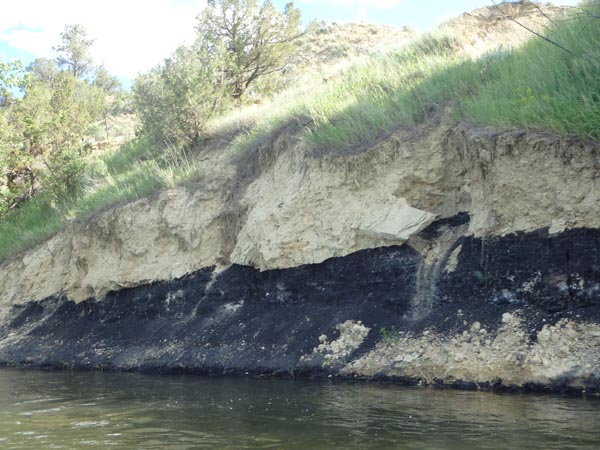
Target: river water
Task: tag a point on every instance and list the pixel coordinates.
(72, 410)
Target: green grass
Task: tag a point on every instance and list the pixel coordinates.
(537, 86)
(27, 226)
(379, 96)
(369, 100)
(136, 170)
(543, 86)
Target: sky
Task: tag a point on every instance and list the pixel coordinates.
(132, 36)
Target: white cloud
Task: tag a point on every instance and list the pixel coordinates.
(131, 35)
(359, 8)
(362, 13)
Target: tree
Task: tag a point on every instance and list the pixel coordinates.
(75, 106)
(74, 50)
(12, 76)
(41, 136)
(17, 181)
(43, 70)
(176, 99)
(253, 40)
(105, 81)
(42, 131)
(111, 86)
(238, 43)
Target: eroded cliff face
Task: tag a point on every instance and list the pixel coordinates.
(441, 254)
(300, 208)
(520, 311)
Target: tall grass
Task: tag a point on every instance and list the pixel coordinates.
(536, 86)
(27, 226)
(542, 85)
(384, 93)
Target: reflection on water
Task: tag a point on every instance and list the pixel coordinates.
(63, 410)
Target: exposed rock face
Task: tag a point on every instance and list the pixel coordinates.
(521, 310)
(444, 254)
(301, 209)
(131, 245)
(567, 353)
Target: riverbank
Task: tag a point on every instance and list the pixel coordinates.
(517, 313)
(432, 250)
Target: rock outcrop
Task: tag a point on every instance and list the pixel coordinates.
(302, 209)
(441, 254)
(520, 311)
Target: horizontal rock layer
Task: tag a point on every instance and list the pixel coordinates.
(280, 206)
(518, 310)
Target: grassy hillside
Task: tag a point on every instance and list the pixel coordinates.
(538, 85)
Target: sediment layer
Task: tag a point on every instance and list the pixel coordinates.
(517, 311)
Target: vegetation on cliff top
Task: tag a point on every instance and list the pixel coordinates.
(238, 44)
(543, 85)
(540, 85)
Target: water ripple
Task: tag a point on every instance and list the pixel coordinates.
(132, 411)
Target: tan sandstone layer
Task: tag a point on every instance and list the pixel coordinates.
(301, 208)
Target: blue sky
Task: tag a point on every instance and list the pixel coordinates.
(134, 35)
(421, 14)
